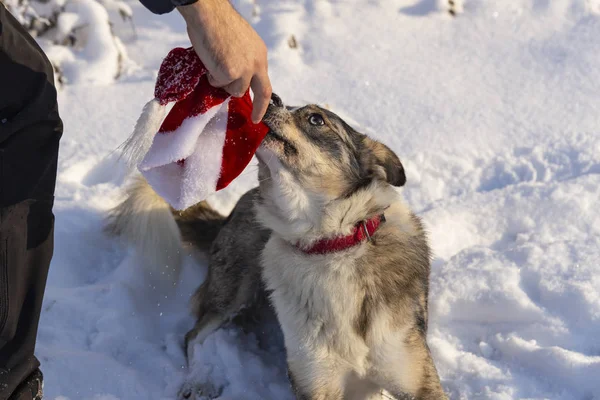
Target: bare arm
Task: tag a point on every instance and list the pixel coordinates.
(231, 50)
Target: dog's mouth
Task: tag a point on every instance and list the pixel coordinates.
(275, 141)
(279, 145)
(273, 135)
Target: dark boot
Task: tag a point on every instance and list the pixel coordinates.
(31, 389)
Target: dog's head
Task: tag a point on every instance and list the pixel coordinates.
(312, 164)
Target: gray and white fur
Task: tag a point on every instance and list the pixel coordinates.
(354, 321)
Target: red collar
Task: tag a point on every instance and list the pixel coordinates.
(362, 231)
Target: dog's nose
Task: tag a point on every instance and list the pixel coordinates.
(276, 100)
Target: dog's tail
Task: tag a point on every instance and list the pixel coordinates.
(157, 232)
(199, 225)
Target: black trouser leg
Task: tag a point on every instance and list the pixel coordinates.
(30, 129)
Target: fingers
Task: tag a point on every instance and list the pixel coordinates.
(238, 87)
(214, 82)
(261, 87)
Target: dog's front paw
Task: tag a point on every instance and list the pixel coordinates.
(208, 391)
(186, 392)
(199, 391)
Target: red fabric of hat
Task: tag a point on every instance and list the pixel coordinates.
(204, 143)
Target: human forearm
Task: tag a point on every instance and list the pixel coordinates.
(233, 53)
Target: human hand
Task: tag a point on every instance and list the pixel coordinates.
(233, 53)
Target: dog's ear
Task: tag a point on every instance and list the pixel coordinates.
(388, 161)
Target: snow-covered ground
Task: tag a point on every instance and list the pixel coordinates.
(496, 116)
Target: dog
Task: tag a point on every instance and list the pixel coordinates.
(327, 241)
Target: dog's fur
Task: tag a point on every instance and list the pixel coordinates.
(354, 321)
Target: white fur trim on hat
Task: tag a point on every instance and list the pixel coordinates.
(137, 145)
(199, 141)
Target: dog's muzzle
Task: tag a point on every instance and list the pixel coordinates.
(276, 101)
(273, 110)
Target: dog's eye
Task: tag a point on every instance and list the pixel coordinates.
(316, 120)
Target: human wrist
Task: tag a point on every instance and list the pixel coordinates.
(183, 3)
(201, 11)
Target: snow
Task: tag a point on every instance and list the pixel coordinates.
(496, 116)
(99, 61)
(79, 37)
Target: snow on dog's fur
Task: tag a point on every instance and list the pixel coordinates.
(354, 319)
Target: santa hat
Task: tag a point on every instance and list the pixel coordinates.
(203, 144)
